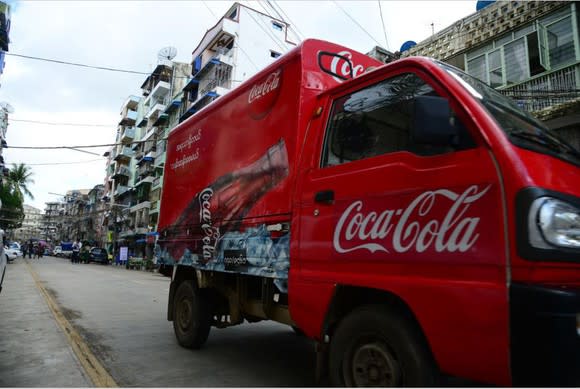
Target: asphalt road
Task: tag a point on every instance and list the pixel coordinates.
(121, 315)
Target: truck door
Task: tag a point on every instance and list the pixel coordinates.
(387, 213)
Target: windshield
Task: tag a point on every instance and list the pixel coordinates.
(523, 129)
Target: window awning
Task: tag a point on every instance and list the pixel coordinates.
(191, 84)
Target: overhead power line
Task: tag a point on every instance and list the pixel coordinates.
(355, 22)
(64, 163)
(383, 22)
(83, 147)
(77, 64)
(61, 124)
(294, 26)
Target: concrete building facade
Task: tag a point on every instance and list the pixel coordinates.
(528, 50)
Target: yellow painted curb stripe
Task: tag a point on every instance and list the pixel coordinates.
(93, 368)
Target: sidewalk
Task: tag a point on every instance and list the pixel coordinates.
(33, 350)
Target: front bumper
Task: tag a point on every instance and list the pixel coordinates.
(545, 338)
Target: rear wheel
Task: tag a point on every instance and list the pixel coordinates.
(191, 316)
(375, 347)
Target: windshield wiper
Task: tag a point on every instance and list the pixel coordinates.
(546, 141)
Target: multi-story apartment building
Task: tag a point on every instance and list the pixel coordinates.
(528, 50)
(31, 225)
(241, 43)
(5, 108)
(73, 214)
(52, 221)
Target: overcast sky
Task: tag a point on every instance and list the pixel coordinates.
(128, 35)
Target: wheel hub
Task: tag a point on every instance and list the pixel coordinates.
(374, 365)
(184, 313)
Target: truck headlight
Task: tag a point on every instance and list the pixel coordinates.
(552, 222)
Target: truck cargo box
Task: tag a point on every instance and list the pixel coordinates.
(229, 173)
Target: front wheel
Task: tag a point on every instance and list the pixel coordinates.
(191, 316)
(379, 348)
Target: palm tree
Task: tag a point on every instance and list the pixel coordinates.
(19, 178)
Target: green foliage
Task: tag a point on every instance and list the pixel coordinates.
(18, 179)
(12, 212)
(12, 192)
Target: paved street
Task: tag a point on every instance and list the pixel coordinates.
(121, 315)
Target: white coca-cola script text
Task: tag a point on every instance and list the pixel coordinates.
(341, 67)
(260, 90)
(211, 234)
(416, 228)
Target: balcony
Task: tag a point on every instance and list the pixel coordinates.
(219, 59)
(155, 111)
(547, 90)
(128, 135)
(140, 206)
(122, 171)
(175, 104)
(145, 180)
(154, 207)
(161, 90)
(124, 154)
(144, 169)
(120, 190)
(160, 158)
(129, 119)
(223, 32)
(131, 103)
(157, 182)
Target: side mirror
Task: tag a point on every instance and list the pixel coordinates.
(433, 122)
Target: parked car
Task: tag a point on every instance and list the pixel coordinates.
(100, 255)
(57, 251)
(12, 253)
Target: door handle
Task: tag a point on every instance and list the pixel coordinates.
(324, 197)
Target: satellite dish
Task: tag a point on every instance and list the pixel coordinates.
(7, 107)
(167, 53)
(407, 45)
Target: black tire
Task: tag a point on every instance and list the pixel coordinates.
(374, 347)
(191, 316)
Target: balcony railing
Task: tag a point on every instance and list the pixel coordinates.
(122, 171)
(558, 87)
(120, 190)
(161, 89)
(154, 207)
(128, 135)
(129, 118)
(124, 154)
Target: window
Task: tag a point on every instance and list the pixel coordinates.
(560, 42)
(529, 51)
(495, 69)
(277, 26)
(375, 121)
(516, 62)
(274, 54)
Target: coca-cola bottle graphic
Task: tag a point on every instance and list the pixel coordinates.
(222, 205)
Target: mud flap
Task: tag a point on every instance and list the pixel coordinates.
(321, 350)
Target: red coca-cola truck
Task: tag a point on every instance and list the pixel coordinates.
(409, 219)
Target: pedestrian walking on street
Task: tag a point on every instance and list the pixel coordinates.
(30, 249)
(75, 252)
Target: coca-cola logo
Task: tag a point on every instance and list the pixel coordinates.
(413, 228)
(263, 95)
(211, 234)
(341, 67)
